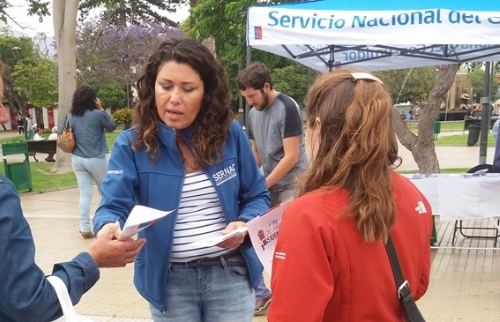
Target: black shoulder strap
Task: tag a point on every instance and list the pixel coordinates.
(410, 309)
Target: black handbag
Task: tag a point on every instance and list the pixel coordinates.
(410, 309)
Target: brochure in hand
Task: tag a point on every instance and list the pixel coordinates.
(140, 218)
(209, 242)
(263, 232)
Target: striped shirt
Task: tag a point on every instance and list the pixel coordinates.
(200, 217)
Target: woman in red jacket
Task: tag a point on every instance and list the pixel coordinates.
(330, 262)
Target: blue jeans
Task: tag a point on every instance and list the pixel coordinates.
(262, 292)
(212, 294)
(85, 170)
(280, 194)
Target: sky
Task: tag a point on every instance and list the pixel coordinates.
(30, 25)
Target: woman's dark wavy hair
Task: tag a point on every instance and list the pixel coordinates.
(214, 119)
(83, 99)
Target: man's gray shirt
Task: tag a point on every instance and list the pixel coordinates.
(280, 120)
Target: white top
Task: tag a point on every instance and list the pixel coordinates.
(200, 217)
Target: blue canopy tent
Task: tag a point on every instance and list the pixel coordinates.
(377, 35)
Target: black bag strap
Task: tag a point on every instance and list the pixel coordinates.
(410, 309)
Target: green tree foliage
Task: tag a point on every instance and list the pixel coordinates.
(12, 51)
(37, 78)
(225, 22)
(136, 12)
(477, 81)
(3, 5)
(406, 84)
(297, 87)
(112, 96)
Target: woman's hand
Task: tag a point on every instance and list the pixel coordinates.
(98, 104)
(236, 240)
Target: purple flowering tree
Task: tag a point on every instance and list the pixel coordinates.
(116, 54)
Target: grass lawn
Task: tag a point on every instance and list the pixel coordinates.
(449, 170)
(460, 140)
(445, 126)
(43, 180)
(41, 177)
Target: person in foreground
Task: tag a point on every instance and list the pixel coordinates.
(25, 293)
(89, 121)
(186, 153)
(330, 256)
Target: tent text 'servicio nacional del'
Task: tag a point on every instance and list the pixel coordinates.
(377, 34)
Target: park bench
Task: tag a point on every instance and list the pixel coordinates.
(44, 146)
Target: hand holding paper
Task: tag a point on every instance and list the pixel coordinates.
(219, 239)
(263, 232)
(140, 218)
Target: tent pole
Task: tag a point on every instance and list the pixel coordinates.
(241, 107)
(332, 59)
(485, 114)
(247, 107)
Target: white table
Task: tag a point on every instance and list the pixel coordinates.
(461, 196)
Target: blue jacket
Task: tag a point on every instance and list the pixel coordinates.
(25, 293)
(133, 178)
(496, 156)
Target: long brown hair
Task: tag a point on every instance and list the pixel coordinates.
(358, 145)
(214, 119)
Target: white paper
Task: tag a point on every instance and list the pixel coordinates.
(140, 218)
(263, 232)
(212, 241)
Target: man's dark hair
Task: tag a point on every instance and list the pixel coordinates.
(255, 76)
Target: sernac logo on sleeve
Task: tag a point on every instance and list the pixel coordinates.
(420, 208)
(115, 171)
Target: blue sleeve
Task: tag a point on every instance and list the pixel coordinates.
(496, 157)
(494, 130)
(107, 122)
(25, 293)
(118, 185)
(254, 198)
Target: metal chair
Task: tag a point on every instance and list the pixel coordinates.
(458, 223)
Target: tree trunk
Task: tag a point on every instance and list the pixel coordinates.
(422, 145)
(123, 14)
(65, 13)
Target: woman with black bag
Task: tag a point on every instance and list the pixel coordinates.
(330, 261)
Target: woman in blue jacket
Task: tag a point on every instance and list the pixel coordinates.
(186, 153)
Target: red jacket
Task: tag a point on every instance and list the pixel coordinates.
(322, 271)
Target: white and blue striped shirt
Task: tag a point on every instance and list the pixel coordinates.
(200, 217)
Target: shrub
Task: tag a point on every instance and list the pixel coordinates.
(123, 116)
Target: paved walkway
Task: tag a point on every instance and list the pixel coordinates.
(464, 283)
